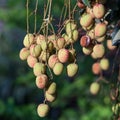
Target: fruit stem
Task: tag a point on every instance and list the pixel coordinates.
(27, 19)
(35, 24)
(69, 4)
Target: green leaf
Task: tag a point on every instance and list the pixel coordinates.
(86, 2)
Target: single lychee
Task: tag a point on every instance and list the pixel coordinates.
(53, 59)
(24, 53)
(28, 40)
(96, 69)
(72, 69)
(41, 81)
(31, 61)
(43, 110)
(58, 68)
(63, 55)
(104, 64)
(94, 88)
(52, 88)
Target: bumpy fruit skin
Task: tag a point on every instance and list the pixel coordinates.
(70, 26)
(104, 64)
(75, 35)
(100, 29)
(58, 68)
(28, 40)
(39, 68)
(115, 108)
(24, 53)
(109, 45)
(49, 97)
(63, 55)
(43, 110)
(43, 45)
(86, 20)
(44, 56)
(31, 61)
(99, 50)
(53, 59)
(87, 50)
(90, 11)
(94, 88)
(35, 50)
(40, 38)
(99, 10)
(41, 81)
(52, 37)
(72, 69)
(60, 42)
(96, 69)
(52, 88)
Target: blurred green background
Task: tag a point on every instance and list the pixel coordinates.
(19, 95)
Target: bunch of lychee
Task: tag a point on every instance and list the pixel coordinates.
(50, 53)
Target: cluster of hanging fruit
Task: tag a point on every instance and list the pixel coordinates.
(48, 53)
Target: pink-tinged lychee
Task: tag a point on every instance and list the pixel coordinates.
(58, 68)
(31, 61)
(63, 55)
(53, 59)
(96, 69)
(43, 110)
(28, 40)
(40, 38)
(99, 10)
(24, 53)
(99, 50)
(41, 81)
(35, 50)
(100, 29)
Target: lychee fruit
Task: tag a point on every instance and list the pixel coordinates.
(63, 55)
(58, 68)
(96, 69)
(94, 88)
(104, 64)
(24, 53)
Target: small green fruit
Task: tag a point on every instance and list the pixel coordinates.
(60, 42)
(49, 97)
(39, 68)
(86, 20)
(28, 40)
(58, 68)
(52, 88)
(35, 50)
(104, 64)
(43, 110)
(40, 38)
(43, 45)
(72, 69)
(94, 88)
